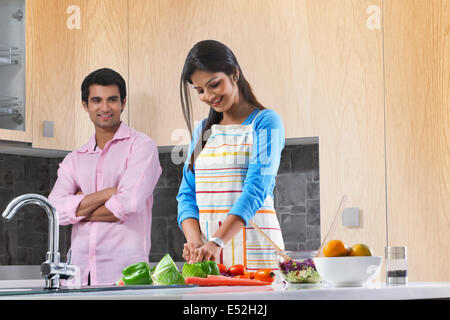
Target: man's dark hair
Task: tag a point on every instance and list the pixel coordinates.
(103, 77)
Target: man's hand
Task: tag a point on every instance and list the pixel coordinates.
(101, 214)
(94, 201)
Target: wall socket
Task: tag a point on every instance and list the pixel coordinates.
(350, 217)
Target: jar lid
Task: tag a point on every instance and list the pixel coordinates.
(395, 252)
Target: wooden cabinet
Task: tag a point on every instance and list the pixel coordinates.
(66, 40)
(417, 50)
(15, 120)
(271, 40)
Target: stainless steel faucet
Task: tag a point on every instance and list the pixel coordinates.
(52, 269)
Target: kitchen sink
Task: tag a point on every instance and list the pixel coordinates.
(62, 289)
(26, 280)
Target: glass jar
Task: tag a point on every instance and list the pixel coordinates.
(396, 265)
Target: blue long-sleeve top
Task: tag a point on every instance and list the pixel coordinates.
(268, 138)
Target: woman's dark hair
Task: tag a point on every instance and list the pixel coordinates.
(104, 77)
(210, 56)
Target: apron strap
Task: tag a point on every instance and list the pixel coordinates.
(253, 121)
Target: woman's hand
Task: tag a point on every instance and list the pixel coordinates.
(189, 249)
(208, 251)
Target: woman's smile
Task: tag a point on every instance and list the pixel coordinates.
(216, 89)
(217, 101)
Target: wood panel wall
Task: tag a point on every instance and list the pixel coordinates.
(315, 62)
(417, 57)
(346, 106)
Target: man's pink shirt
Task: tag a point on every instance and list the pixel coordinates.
(129, 162)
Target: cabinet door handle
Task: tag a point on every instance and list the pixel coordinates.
(48, 129)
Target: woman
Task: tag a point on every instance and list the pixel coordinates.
(229, 175)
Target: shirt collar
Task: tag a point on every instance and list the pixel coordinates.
(123, 132)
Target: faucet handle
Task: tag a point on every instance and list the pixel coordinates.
(69, 256)
(68, 271)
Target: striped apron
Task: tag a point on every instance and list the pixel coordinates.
(220, 171)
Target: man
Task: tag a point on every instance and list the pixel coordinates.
(105, 188)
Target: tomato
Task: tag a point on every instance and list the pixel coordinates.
(222, 268)
(236, 270)
(120, 283)
(249, 275)
(265, 275)
(246, 275)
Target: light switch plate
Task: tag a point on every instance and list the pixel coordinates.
(48, 129)
(350, 217)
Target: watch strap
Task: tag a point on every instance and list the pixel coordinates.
(218, 241)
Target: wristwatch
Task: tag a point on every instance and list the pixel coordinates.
(218, 241)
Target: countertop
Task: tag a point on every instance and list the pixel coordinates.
(278, 291)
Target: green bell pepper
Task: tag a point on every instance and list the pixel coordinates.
(205, 267)
(209, 267)
(134, 267)
(152, 269)
(214, 268)
(138, 273)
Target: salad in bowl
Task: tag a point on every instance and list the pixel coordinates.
(300, 268)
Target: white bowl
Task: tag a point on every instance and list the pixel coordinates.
(348, 271)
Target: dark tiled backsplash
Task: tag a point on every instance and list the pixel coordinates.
(24, 239)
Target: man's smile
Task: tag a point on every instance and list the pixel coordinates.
(105, 116)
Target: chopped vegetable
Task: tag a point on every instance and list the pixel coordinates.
(204, 266)
(214, 268)
(136, 274)
(134, 267)
(236, 270)
(222, 268)
(141, 276)
(246, 275)
(166, 272)
(200, 269)
(212, 280)
(120, 283)
(152, 269)
(193, 270)
(266, 275)
(300, 271)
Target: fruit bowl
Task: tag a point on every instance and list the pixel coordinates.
(348, 271)
(300, 269)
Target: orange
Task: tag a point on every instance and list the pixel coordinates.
(360, 249)
(335, 248)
